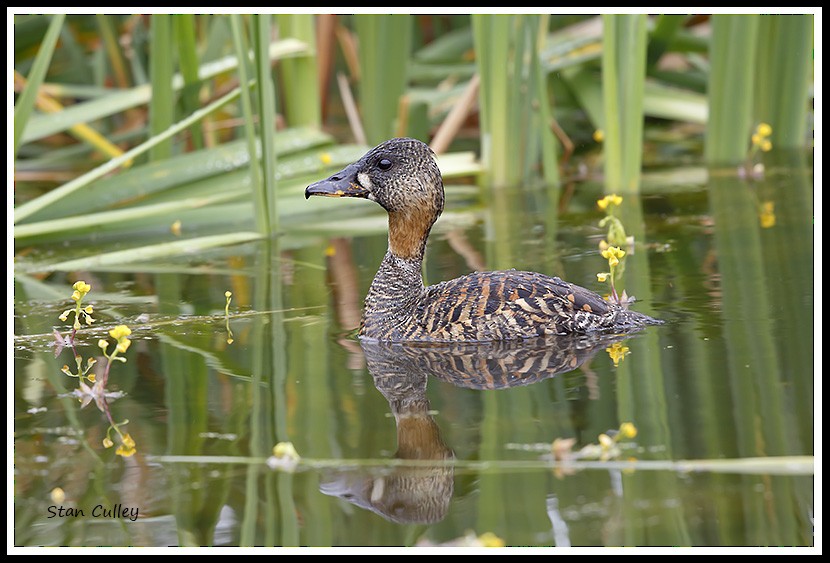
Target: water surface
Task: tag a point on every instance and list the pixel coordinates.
(408, 446)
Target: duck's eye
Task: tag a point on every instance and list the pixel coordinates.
(384, 164)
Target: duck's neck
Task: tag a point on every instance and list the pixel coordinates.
(393, 296)
(398, 286)
(408, 232)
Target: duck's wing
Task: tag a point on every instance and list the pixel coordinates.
(506, 305)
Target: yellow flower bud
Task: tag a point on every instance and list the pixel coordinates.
(599, 135)
(57, 495)
(613, 261)
(286, 450)
(102, 344)
(756, 139)
(63, 316)
(764, 129)
(628, 430)
(108, 443)
(605, 441)
(766, 145)
(325, 158)
(228, 294)
(76, 295)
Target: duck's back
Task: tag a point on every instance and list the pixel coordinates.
(512, 304)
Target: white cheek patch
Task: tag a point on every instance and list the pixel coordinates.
(364, 180)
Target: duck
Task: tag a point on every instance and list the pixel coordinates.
(402, 176)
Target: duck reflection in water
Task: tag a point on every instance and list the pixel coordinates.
(421, 493)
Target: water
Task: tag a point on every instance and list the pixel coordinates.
(429, 446)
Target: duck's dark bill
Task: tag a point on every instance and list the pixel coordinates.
(342, 184)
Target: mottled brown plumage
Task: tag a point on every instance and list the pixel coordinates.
(402, 176)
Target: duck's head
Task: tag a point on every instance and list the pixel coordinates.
(402, 176)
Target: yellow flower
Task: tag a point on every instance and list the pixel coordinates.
(91, 377)
(605, 441)
(617, 352)
(764, 129)
(628, 430)
(599, 135)
(228, 294)
(176, 228)
(120, 331)
(76, 295)
(122, 345)
(766, 145)
(102, 344)
(489, 539)
(81, 287)
(613, 252)
(612, 199)
(602, 276)
(127, 447)
(107, 442)
(766, 214)
(325, 158)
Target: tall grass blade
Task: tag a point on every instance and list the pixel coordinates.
(623, 87)
(731, 87)
(257, 192)
(384, 51)
(266, 105)
(301, 99)
(161, 250)
(26, 102)
(550, 158)
(52, 197)
(785, 75)
(184, 27)
(112, 103)
(162, 103)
